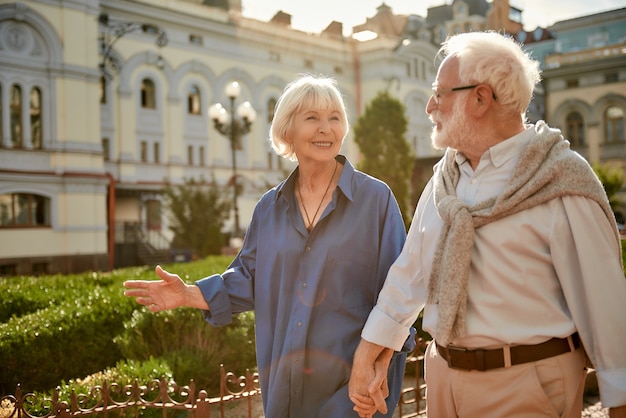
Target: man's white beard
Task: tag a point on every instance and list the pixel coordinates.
(457, 133)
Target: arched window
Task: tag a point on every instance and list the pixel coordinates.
(148, 94)
(194, 104)
(271, 107)
(1, 116)
(271, 156)
(442, 34)
(16, 116)
(614, 124)
(35, 118)
(575, 128)
(103, 90)
(23, 210)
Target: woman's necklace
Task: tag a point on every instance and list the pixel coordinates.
(310, 227)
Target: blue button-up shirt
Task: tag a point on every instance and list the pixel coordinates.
(312, 292)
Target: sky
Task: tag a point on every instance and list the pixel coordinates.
(315, 15)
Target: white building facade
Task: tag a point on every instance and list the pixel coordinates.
(102, 102)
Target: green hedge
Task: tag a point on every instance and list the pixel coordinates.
(58, 328)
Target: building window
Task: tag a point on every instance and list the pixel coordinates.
(24, 210)
(194, 105)
(572, 83)
(35, 118)
(103, 90)
(16, 116)
(1, 116)
(614, 124)
(611, 78)
(148, 94)
(201, 156)
(153, 215)
(106, 149)
(144, 151)
(575, 129)
(190, 154)
(195, 39)
(157, 153)
(271, 108)
(150, 29)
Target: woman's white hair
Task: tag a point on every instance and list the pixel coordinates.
(304, 93)
(496, 60)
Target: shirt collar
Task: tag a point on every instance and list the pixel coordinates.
(505, 150)
(344, 181)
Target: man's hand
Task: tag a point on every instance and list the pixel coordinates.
(368, 381)
(168, 293)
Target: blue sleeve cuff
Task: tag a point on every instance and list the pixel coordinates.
(216, 295)
(409, 344)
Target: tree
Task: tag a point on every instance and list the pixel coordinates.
(379, 134)
(612, 178)
(197, 211)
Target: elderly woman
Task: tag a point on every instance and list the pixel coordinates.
(313, 260)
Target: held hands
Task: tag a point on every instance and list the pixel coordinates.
(168, 293)
(368, 385)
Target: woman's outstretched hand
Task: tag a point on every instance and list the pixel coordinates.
(158, 295)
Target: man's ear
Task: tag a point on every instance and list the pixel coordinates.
(485, 93)
(484, 99)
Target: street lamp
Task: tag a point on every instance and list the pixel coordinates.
(226, 124)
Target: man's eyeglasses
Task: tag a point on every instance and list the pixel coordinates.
(438, 93)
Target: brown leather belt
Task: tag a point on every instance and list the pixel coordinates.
(468, 359)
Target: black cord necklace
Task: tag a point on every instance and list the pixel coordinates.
(310, 227)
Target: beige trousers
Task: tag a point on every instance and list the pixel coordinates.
(552, 387)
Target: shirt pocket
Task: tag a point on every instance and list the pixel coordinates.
(350, 278)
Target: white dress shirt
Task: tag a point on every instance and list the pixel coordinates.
(545, 272)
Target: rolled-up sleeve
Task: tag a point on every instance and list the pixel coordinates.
(401, 299)
(216, 295)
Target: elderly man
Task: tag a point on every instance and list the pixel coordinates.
(513, 255)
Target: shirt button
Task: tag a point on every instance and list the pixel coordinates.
(307, 249)
(473, 181)
(299, 323)
(304, 285)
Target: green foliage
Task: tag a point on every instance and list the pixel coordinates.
(612, 179)
(192, 348)
(70, 328)
(197, 212)
(387, 155)
(69, 337)
(125, 373)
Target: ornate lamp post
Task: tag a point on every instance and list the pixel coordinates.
(226, 124)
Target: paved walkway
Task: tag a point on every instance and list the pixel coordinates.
(593, 409)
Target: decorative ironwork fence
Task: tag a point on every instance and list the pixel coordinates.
(111, 399)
